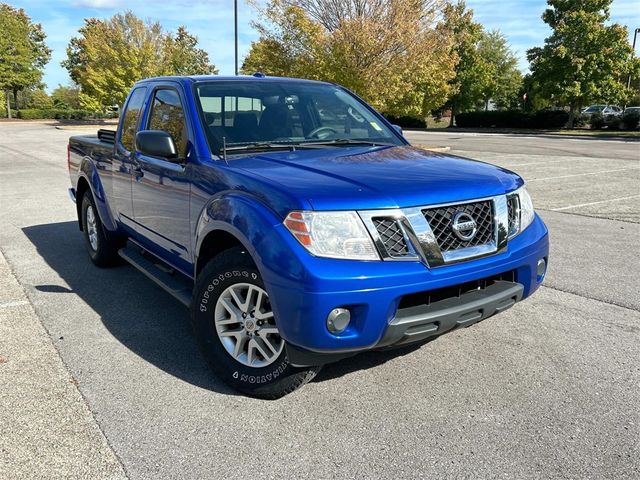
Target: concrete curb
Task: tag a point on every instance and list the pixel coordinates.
(432, 148)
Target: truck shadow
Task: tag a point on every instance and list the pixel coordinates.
(364, 361)
(140, 315)
(144, 318)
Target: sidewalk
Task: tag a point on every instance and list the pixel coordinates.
(46, 429)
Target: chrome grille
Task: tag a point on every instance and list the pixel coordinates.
(513, 206)
(440, 220)
(391, 236)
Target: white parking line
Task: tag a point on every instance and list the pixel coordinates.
(542, 163)
(594, 203)
(584, 174)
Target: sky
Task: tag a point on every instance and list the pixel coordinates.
(212, 22)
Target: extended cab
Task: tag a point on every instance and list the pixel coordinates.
(298, 225)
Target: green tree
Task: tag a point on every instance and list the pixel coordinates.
(66, 97)
(584, 60)
(471, 72)
(35, 97)
(23, 52)
(388, 52)
(110, 55)
(183, 56)
(503, 81)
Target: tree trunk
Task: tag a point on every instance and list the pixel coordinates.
(486, 105)
(15, 98)
(453, 115)
(6, 94)
(572, 108)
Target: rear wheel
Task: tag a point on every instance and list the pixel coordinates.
(237, 331)
(102, 248)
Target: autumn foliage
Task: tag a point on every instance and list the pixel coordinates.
(388, 51)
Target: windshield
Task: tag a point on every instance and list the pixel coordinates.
(594, 109)
(287, 113)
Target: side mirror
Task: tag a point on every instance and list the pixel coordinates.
(156, 143)
(398, 129)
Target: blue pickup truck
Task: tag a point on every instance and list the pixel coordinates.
(298, 225)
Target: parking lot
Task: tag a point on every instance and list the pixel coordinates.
(549, 389)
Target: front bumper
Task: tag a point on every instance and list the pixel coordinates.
(305, 291)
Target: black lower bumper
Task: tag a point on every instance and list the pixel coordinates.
(421, 322)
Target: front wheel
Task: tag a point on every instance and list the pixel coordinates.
(237, 332)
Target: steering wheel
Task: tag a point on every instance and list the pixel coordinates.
(317, 131)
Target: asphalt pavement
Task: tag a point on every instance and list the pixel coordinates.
(100, 376)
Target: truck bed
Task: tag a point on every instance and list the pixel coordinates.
(98, 147)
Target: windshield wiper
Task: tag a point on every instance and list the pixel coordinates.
(297, 145)
(344, 142)
(261, 146)
(256, 146)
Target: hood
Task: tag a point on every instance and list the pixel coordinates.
(362, 178)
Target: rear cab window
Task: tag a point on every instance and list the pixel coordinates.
(131, 118)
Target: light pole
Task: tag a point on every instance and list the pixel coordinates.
(235, 33)
(635, 35)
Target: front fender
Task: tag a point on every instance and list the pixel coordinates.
(241, 215)
(89, 172)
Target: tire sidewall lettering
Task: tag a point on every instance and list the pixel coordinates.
(266, 378)
(206, 295)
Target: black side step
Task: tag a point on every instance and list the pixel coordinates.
(177, 284)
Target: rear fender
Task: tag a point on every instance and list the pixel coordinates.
(89, 172)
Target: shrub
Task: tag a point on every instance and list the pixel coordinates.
(497, 119)
(513, 119)
(58, 114)
(406, 122)
(550, 119)
(596, 121)
(631, 119)
(3, 112)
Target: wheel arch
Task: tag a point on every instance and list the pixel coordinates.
(230, 220)
(214, 243)
(90, 178)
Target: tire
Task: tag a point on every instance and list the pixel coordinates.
(234, 326)
(102, 248)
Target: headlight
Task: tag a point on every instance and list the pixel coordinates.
(332, 234)
(527, 213)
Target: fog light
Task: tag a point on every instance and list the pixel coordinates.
(338, 320)
(542, 269)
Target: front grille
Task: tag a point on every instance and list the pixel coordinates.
(441, 219)
(513, 206)
(391, 236)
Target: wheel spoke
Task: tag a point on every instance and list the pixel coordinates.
(263, 315)
(267, 330)
(250, 353)
(266, 341)
(249, 304)
(259, 347)
(258, 305)
(237, 299)
(232, 333)
(233, 311)
(239, 346)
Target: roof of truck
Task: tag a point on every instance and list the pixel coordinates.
(218, 78)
